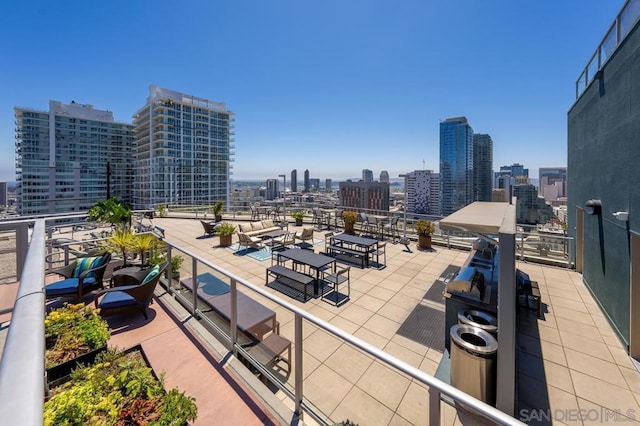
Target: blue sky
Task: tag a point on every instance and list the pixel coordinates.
(332, 86)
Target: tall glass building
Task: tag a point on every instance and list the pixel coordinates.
(70, 157)
(482, 167)
(184, 150)
(456, 164)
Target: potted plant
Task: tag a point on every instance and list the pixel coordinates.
(424, 229)
(176, 263)
(350, 218)
(298, 216)
(161, 210)
(217, 210)
(73, 334)
(225, 231)
(143, 244)
(120, 241)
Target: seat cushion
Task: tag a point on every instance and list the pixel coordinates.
(257, 226)
(267, 223)
(59, 288)
(245, 227)
(116, 299)
(152, 274)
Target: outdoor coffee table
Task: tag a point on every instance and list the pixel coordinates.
(310, 259)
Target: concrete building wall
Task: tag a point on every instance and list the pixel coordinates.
(603, 158)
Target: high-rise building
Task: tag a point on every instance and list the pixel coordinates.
(184, 150)
(367, 175)
(499, 196)
(530, 208)
(314, 184)
(272, 189)
(456, 164)
(384, 176)
(328, 183)
(307, 185)
(294, 180)
(482, 167)
(364, 195)
(552, 182)
(70, 157)
(603, 175)
(423, 187)
(3, 194)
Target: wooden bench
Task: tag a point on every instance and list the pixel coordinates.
(279, 271)
(269, 351)
(362, 255)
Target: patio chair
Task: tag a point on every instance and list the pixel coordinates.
(246, 241)
(209, 227)
(306, 236)
(275, 213)
(254, 213)
(333, 281)
(391, 228)
(317, 217)
(82, 276)
(287, 240)
(131, 294)
(380, 250)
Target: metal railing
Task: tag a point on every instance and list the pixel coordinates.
(22, 365)
(199, 308)
(621, 26)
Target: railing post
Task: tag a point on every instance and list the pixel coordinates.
(434, 406)
(298, 364)
(522, 246)
(194, 280)
(234, 317)
(66, 254)
(22, 245)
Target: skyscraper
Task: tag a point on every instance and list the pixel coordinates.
(294, 180)
(70, 157)
(328, 183)
(367, 175)
(456, 164)
(384, 176)
(183, 150)
(307, 185)
(3, 194)
(422, 192)
(272, 189)
(482, 167)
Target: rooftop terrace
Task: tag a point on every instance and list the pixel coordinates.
(567, 360)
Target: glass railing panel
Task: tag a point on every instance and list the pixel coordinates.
(592, 68)
(183, 274)
(628, 17)
(608, 45)
(8, 257)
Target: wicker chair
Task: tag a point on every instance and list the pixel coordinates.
(82, 276)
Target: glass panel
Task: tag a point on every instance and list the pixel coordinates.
(628, 17)
(581, 84)
(592, 69)
(608, 45)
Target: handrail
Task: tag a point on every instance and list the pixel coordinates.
(434, 383)
(604, 51)
(22, 365)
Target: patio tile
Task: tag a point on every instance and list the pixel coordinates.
(383, 384)
(394, 313)
(603, 393)
(595, 367)
(356, 314)
(362, 408)
(370, 303)
(586, 346)
(632, 379)
(349, 362)
(372, 338)
(321, 345)
(382, 326)
(326, 389)
(403, 354)
(545, 371)
(414, 406)
(410, 344)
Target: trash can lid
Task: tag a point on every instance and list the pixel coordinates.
(480, 319)
(473, 340)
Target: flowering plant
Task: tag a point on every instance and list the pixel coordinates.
(71, 331)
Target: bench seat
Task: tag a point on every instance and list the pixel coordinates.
(362, 255)
(280, 271)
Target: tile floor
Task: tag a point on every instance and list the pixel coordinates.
(569, 360)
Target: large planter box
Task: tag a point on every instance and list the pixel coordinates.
(55, 375)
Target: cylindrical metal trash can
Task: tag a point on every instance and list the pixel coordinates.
(480, 319)
(473, 362)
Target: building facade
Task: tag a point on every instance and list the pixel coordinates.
(384, 176)
(364, 195)
(314, 184)
(4, 200)
(482, 167)
(367, 175)
(184, 150)
(530, 208)
(328, 184)
(294, 180)
(456, 164)
(603, 181)
(307, 184)
(552, 182)
(70, 157)
(423, 187)
(272, 189)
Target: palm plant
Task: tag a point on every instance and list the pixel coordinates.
(112, 211)
(119, 242)
(143, 244)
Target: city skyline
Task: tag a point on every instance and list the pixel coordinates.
(306, 80)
